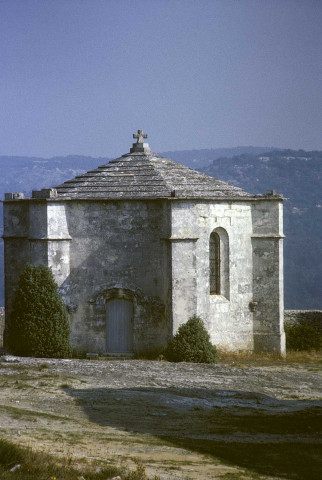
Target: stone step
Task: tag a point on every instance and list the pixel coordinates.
(118, 356)
(110, 356)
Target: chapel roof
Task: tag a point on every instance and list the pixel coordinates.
(142, 174)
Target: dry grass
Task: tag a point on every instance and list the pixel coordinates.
(32, 465)
(263, 359)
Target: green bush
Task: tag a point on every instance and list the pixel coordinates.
(38, 323)
(303, 337)
(191, 344)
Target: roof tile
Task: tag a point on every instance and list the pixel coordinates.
(135, 176)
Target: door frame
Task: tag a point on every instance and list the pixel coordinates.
(121, 294)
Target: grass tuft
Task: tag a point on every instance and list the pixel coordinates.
(41, 466)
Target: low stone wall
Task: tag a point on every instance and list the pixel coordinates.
(307, 317)
(1, 324)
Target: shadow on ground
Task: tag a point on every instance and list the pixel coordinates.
(253, 431)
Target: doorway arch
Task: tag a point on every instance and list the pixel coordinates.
(119, 325)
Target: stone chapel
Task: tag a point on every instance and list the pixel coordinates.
(142, 243)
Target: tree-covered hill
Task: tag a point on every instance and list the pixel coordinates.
(201, 158)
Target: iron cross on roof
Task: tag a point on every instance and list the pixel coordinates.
(140, 136)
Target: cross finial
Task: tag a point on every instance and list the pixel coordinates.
(140, 147)
(140, 136)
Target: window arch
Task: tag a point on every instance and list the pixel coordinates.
(214, 264)
(219, 263)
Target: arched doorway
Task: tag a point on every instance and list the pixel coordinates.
(119, 325)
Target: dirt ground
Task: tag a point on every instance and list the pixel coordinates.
(183, 421)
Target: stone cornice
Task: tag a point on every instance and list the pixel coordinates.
(35, 239)
(180, 239)
(268, 235)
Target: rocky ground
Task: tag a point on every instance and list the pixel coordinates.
(183, 421)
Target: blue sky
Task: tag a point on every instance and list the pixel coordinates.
(80, 76)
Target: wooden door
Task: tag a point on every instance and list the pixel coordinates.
(119, 326)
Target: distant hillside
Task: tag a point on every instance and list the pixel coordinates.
(24, 174)
(296, 174)
(201, 158)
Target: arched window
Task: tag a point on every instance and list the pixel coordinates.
(214, 264)
(219, 263)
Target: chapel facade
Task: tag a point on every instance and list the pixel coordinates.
(142, 243)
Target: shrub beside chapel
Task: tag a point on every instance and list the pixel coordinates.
(191, 344)
(39, 325)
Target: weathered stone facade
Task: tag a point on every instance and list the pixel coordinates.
(138, 229)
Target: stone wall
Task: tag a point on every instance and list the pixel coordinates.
(253, 234)
(307, 317)
(155, 253)
(16, 245)
(268, 280)
(227, 316)
(115, 246)
(1, 324)
(116, 251)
